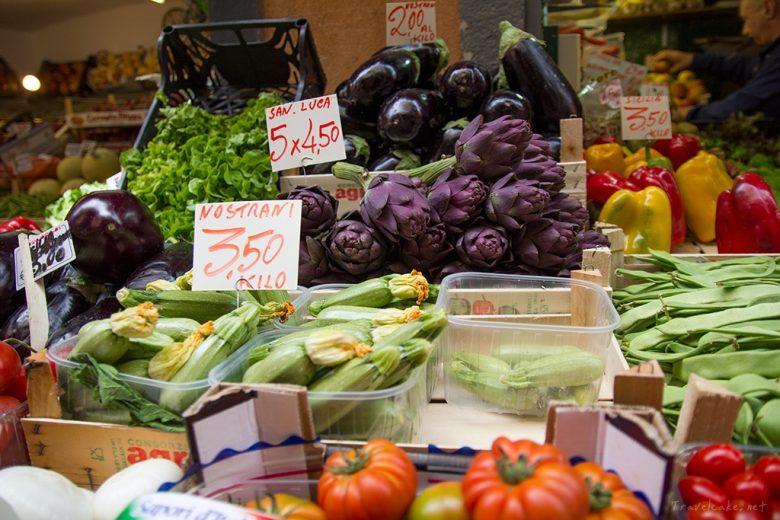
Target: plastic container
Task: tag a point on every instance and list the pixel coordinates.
(13, 448)
(78, 401)
(393, 413)
(487, 312)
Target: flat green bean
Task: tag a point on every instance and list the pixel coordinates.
(711, 321)
(730, 364)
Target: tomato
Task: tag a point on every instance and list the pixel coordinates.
(281, 505)
(442, 501)
(10, 364)
(524, 480)
(378, 482)
(768, 468)
(741, 510)
(707, 511)
(748, 487)
(773, 512)
(609, 499)
(19, 389)
(695, 490)
(717, 462)
(598, 475)
(7, 428)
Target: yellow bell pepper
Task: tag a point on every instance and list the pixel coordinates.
(637, 159)
(606, 157)
(645, 216)
(700, 180)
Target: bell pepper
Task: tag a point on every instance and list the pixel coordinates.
(600, 186)
(605, 139)
(679, 148)
(701, 179)
(17, 223)
(645, 176)
(747, 219)
(606, 157)
(641, 157)
(645, 216)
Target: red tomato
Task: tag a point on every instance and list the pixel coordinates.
(707, 511)
(717, 462)
(7, 430)
(442, 501)
(748, 487)
(9, 367)
(19, 390)
(741, 510)
(773, 512)
(768, 468)
(695, 490)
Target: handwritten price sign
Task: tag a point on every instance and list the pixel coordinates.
(410, 22)
(645, 117)
(49, 251)
(246, 245)
(305, 132)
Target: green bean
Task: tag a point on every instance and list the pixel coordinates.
(673, 395)
(744, 423)
(713, 320)
(753, 384)
(727, 365)
(768, 423)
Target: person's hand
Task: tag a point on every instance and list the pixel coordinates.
(671, 61)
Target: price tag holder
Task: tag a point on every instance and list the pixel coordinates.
(246, 245)
(645, 117)
(654, 89)
(49, 251)
(410, 22)
(74, 149)
(88, 146)
(305, 132)
(23, 163)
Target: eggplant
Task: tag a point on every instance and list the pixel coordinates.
(444, 143)
(169, 264)
(465, 85)
(378, 78)
(104, 308)
(530, 70)
(412, 117)
(113, 233)
(351, 125)
(433, 57)
(10, 298)
(505, 102)
(357, 150)
(398, 159)
(555, 147)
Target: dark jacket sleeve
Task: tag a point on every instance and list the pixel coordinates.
(736, 68)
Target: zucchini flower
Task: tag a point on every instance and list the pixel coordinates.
(332, 347)
(135, 322)
(409, 286)
(162, 285)
(184, 282)
(164, 365)
(383, 331)
(396, 316)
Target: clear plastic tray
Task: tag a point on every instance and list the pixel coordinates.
(393, 413)
(13, 449)
(78, 402)
(487, 311)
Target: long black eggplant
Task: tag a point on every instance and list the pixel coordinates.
(530, 70)
(397, 159)
(357, 150)
(412, 117)
(105, 307)
(10, 298)
(433, 58)
(352, 125)
(168, 264)
(464, 86)
(505, 102)
(444, 143)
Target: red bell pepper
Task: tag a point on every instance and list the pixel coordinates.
(645, 176)
(17, 223)
(601, 186)
(605, 139)
(679, 148)
(747, 219)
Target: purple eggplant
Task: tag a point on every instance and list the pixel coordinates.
(398, 159)
(433, 57)
(169, 264)
(507, 102)
(113, 233)
(357, 149)
(9, 296)
(412, 117)
(530, 70)
(465, 85)
(352, 124)
(443, 144)
(104, 308)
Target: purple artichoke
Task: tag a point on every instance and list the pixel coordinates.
(318, 208)
(543, 169)
(491, 150)
(566, 209)
(312, 261)
(427, 250)
(457, 199)
(482, 245)
(588, 239)
(455, 266)
(513, 202)
(395, 207)
(545, 244)
(355, 247)
(538, 145)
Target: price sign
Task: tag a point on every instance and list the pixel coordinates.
(654, 89)
(305, 132)
(645, 117)
(115, 181)
(246, 245)
(410, 22)
(23, 163)
(50, 251)
(72, 149)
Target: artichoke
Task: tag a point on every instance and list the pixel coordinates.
(427, 250)
(539, 145)
(549, 173)
(566, 209)
(513, 202)
(394, 207)
(312, 261)
(545, 244)
(355, 247)
(457, 199)
(455, 266)
(588, 239)
(491, 150)
(482, 245)
(318, 208)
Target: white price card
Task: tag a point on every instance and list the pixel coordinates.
(645, 117)
(305, 132)
(50, 250)
(72, 149)
(654, 89)
(410, 22)
(115, 181)
(246, 245)
(23, 163)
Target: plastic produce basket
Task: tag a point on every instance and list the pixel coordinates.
(220, 66)
(514, 318)
(393, 413)
(13, 449)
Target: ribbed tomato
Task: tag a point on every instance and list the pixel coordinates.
(377, 482)
(609, 499)
(288, 507)
(524, 480)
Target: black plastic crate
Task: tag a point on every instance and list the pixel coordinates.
(220, 66)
